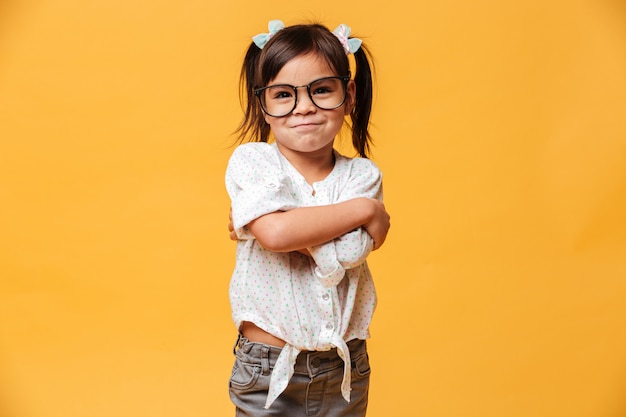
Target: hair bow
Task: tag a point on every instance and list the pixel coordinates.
(343, 34)
(262, 38)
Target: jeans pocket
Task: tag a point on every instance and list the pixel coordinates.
(361, 366)
(244, 375)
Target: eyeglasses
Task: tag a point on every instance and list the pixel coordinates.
(326, 93)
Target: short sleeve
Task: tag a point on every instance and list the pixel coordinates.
(256, 185)
(364, 180)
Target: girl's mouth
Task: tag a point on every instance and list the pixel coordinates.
(305, 125)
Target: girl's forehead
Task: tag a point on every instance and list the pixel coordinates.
(304, 69)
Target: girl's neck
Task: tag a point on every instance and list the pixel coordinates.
(313, 166)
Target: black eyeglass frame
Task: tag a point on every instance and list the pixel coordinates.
(344, 78)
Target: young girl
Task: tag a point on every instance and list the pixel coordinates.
(305, 218)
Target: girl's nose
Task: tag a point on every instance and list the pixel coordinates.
(304, 104)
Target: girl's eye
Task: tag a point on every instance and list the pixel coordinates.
(325, 86)
(278, 93)
(322, 90)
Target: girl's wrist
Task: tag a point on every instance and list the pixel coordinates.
(366, 210)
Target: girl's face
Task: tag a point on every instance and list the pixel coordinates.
(308, 130)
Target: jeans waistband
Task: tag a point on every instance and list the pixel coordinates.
(308, 362)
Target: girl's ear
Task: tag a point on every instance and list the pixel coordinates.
(350, 97)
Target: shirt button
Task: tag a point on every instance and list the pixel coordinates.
(325, 297)
(329, 326)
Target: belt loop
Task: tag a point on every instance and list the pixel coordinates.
(265, 360)
(236, 344)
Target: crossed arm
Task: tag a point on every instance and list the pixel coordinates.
(304, 227)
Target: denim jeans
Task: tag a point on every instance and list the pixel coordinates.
(314, 389)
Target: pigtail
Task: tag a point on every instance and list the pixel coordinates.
(253, 124)
(360, 116)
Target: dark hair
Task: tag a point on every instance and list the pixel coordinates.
(260, 66)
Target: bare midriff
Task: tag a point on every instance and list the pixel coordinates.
(254, 333)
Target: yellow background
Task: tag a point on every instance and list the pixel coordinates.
(499, 127)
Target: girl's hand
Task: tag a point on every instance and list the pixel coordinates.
(379, 225)
(231, 228)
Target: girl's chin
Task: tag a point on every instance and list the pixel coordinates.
(306, 145)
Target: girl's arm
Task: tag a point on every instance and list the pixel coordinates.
(300, 228)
